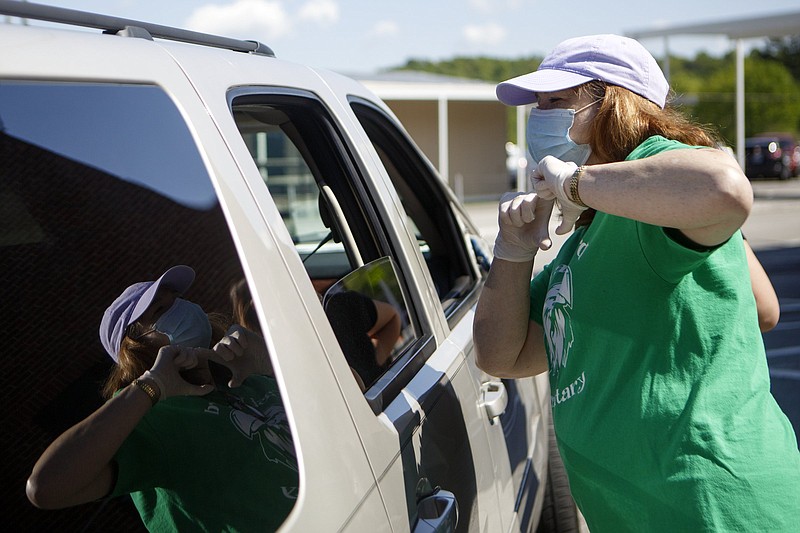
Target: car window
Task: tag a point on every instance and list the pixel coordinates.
(93, 198)
(326, 205)
(442, 236)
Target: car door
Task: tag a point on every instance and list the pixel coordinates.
(115, 169)
(338, 227)
(429, 424)
(510, 411)
(416, 420)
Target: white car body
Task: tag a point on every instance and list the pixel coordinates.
(362, 467)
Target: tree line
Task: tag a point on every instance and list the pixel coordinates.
(704, 86)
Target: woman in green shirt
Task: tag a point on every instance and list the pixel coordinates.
(646, 319)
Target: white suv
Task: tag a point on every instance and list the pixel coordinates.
(125, 152)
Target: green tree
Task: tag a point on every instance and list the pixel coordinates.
(772, 99)
(689, 76)
(476, 68)
(785, 50)
(704, 86)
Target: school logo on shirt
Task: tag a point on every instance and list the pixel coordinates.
(266, 422)
(556, 319)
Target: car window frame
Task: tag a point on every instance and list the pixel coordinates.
(417, 164)
(360, 196)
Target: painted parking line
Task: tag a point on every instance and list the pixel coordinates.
(787, 351)
(780, 373)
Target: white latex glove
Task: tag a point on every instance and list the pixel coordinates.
(523, 220)
(550, 180)
(170, 362)
(244, 352)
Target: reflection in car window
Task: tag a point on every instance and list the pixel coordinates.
(92, 198)
(163, 158)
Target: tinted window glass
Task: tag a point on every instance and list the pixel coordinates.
(337, 232)
(143, 142)
(440, 235)
(101, 186)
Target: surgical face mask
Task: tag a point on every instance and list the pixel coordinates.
(186, 324)
(548, 134)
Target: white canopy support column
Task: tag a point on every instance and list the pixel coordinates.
(444, 141)
(522, 147)
(740, 102)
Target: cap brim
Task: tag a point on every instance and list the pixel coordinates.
(521, 90)
(179, 278)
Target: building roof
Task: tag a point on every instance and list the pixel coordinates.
(415, 85)
(776, 25)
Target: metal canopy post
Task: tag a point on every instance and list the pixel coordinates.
(740, 102)
(444, 140)
(522, 147)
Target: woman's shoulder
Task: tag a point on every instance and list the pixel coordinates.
(655, 145)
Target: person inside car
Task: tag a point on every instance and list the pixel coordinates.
(645, 320)
(197, 436)
(366, 329)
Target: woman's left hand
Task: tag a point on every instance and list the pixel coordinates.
(551, 180)
(244, 353)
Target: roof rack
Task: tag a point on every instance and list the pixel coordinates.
(127, 27)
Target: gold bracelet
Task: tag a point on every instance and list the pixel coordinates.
(573, 186)
(148, 389)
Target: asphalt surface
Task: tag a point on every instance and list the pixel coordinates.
(773, 230)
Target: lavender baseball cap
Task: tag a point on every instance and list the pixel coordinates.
(134, 301)
(610, 58)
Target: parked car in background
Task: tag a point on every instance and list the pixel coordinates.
(128, 150)
(772, 155)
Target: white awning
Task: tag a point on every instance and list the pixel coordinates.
(777, 25)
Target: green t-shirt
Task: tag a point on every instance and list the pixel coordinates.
(659, 382)
(213, 463)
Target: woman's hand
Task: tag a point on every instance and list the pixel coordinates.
(551, 179)
(244, 353)
(170, 363)
(523, 221)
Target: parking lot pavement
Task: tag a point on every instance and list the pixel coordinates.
(783, 342)
(774, 221)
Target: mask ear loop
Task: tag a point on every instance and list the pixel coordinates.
(587, 106)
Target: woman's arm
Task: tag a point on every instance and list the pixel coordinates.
(77, 467)
(701, 192)
(385, 331)
(769, 309)
(507, 343)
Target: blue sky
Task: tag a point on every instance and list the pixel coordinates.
(365, 36)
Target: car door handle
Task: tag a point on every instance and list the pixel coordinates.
(437, 513)
(494, 399)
